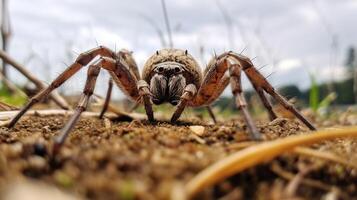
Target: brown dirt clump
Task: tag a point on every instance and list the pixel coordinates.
(137, 160)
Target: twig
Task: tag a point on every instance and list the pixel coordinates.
(290, 176)
(293, 185)
(58, 99)
(6, 116)
(308, 182)
(167, 23)
(257, 154)
(6, 107)
(5, 30)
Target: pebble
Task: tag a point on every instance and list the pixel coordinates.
(198, 130)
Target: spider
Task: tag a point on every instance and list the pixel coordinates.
(170, 75)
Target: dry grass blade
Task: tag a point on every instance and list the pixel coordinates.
(303, 151)
(324, 155)
(257, 154)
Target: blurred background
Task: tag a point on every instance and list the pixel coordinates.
(306, 48)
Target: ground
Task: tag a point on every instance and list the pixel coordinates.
(105, 159)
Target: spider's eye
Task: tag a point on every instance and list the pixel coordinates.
(177, 69)
(160, 69)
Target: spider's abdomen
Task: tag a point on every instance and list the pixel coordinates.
(192, 71)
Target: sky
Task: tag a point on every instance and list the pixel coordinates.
(287, 40)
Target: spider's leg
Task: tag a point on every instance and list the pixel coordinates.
(259, 81)
(133, 67)
(145, 94)
(211, 113)
(129, 60)
(137, 90)
(188, 94)
(235, 73)
(289, 106)
(266, 102)
(212, 84)
(93, 72)
(107, 98)
(82, 60)
(222, 85)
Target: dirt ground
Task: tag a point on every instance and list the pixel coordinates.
(138, 160)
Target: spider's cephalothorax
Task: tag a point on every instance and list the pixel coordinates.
(168, 72)
(170, 75)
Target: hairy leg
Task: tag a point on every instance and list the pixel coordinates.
(235, 73)
(144, 92)
(212, 83)
(260, 82)
(266, 103)
(129, 60)
(115, 66)
(188, 94)
(211, 114)
(107, 98)
(82, 60)
(222, 85)
(126, 81)
(93, 72)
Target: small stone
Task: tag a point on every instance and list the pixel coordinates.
(46, 129)
(198, 130)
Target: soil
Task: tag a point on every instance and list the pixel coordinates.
(105, 159)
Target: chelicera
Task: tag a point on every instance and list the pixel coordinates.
(170, 75)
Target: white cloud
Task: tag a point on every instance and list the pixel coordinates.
(288, 64)
(289, 31)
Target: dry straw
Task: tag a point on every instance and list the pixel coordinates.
(257, 154)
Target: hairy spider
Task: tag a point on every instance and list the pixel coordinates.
(170, 75)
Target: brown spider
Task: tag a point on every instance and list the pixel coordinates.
(170, 75)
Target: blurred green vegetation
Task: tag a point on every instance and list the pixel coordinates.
(317, 97)
(343, 90)
(11, 99)
(314, 94)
